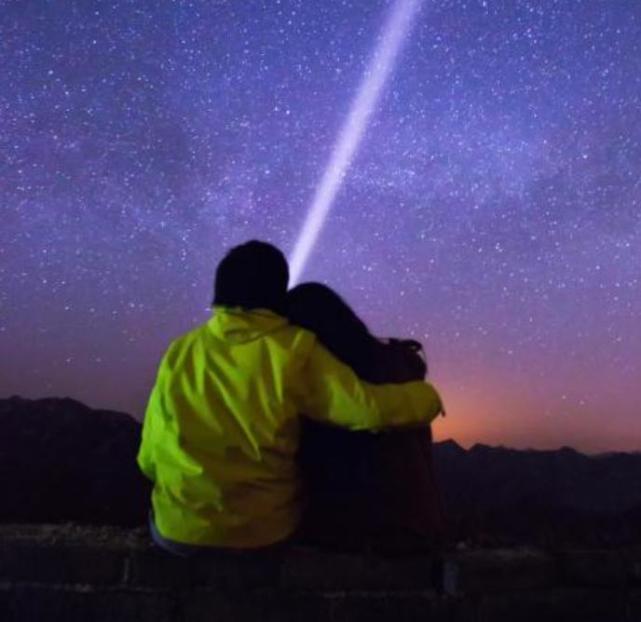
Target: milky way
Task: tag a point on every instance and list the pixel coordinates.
(493, 210)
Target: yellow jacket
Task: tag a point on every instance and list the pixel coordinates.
(221, 427)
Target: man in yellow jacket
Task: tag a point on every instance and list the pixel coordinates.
(221, 428)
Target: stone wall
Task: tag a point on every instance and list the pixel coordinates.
(68, 573)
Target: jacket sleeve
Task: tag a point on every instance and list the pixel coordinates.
(150, 427)
(145, 458)
(335, 394)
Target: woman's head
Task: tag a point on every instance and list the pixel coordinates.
(321, 310)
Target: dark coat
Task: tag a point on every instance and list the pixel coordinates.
(373, 490)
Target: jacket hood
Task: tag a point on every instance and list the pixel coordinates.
(238, 325)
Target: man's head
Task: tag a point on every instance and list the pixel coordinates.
(253, 275)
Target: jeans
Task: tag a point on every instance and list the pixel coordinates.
(193, 550)
(176, 548)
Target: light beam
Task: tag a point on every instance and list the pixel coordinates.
(381, 64)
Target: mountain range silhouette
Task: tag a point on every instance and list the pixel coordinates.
(61, 461)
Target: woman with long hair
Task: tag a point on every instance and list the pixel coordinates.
(365, 490)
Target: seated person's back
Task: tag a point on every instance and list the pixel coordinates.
(365, 490)
(221, 428)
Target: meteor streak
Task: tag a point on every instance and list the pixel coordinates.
(394, 33)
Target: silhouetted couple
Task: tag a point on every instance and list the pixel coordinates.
(282, 419)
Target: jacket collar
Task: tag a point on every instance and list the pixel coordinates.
(240, 325)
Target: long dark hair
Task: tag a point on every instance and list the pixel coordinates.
(321, 310)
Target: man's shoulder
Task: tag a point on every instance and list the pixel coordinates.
(296, 337)
(188, 336)
(185, 340)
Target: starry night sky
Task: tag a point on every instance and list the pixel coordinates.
(493, 210)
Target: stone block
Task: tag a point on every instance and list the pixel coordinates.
(634, 606)
(633, 567)
(554, 605)
(314, 570)
(478, 572)
(592, 568)
(60, 564)
(400, 607)
(54, 604)
(253, 606)
(71, 534)
(156, 568)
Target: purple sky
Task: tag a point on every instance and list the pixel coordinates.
(493, 210)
